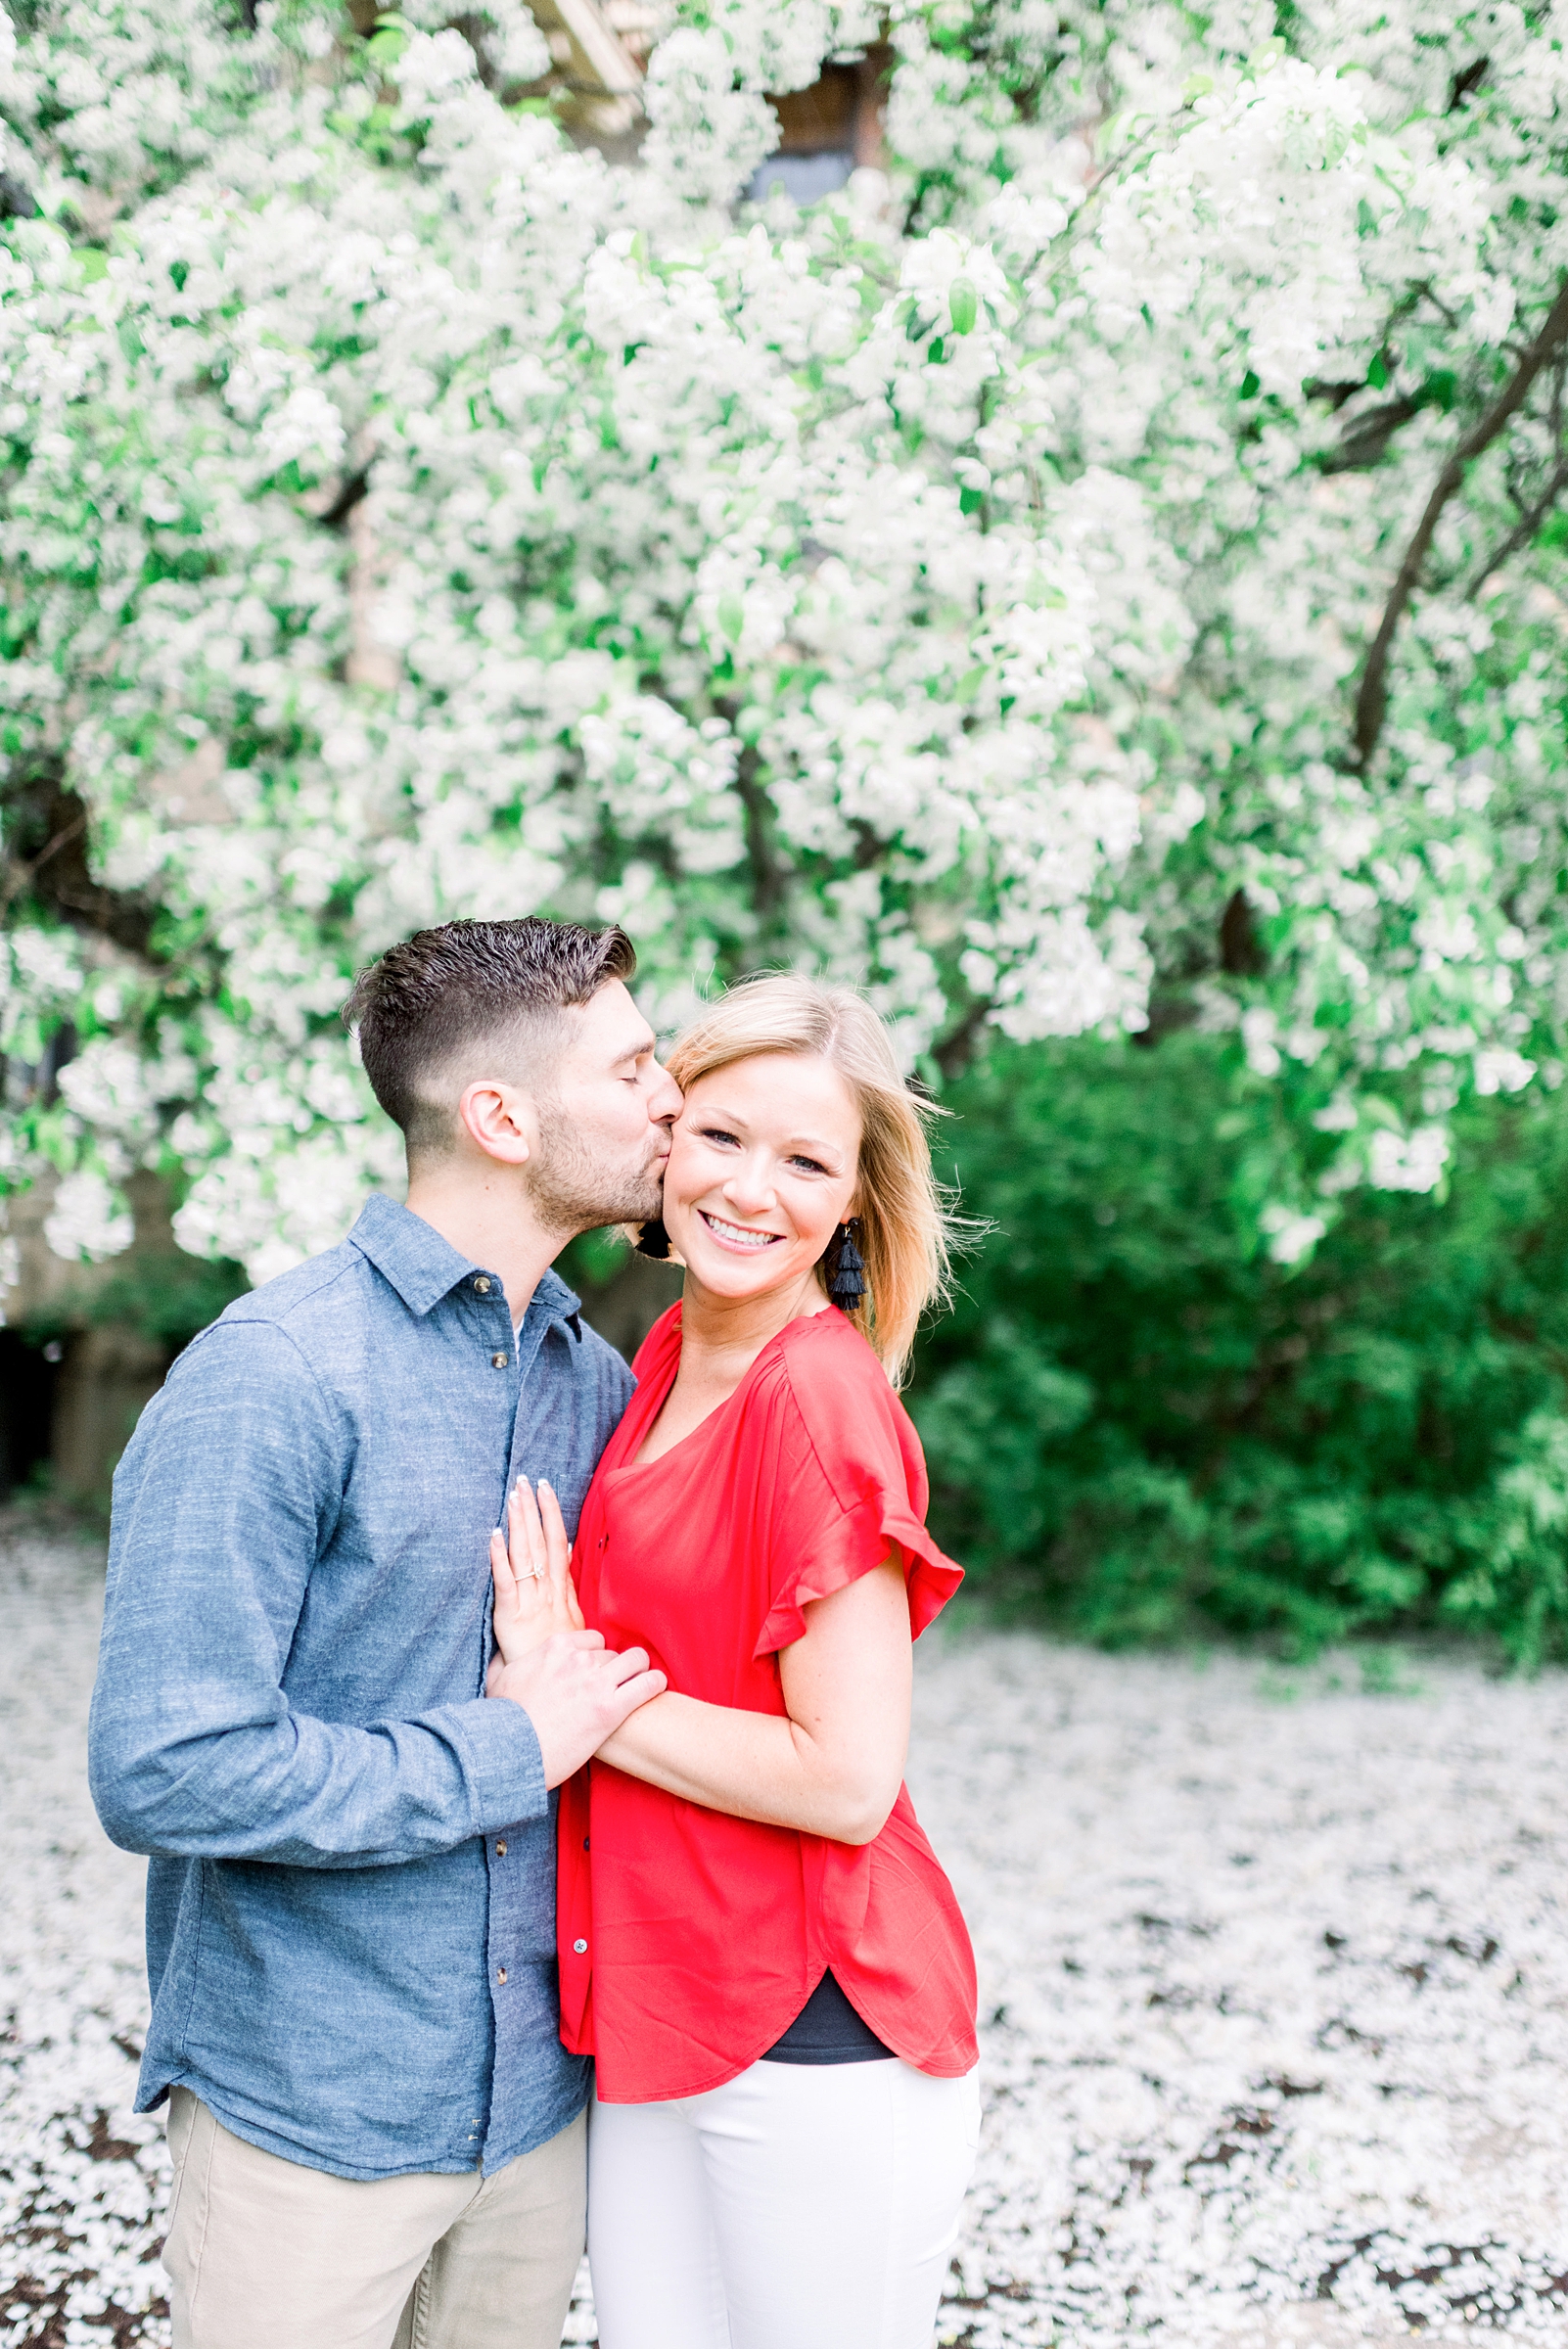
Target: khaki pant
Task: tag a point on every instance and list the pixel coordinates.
(262, 2253)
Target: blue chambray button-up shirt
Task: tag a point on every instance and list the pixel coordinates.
(350, 1903)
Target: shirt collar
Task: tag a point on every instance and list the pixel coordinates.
(423, 1267)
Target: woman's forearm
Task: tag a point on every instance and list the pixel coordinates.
(833, 1763)
(753, 1765)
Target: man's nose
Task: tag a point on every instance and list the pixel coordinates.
(666, 1099)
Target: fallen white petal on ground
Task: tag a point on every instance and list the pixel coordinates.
(1274, 1981)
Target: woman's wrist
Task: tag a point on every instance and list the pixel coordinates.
(622, 1749)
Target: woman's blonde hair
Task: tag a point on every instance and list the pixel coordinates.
(904, 1224)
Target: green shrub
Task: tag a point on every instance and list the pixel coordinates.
(1138, 1419)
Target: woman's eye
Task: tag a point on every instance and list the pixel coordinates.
(717, 1133)
(812, 1165)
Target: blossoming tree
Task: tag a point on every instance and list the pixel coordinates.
(1100, 573)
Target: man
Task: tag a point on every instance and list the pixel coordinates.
(377, 2137)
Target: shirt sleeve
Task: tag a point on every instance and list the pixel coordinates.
(223, 1502)
(849, 1492)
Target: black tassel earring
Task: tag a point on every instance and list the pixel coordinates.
(653, 1240)
(846, 1279)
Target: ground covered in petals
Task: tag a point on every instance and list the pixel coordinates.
(1274, 1986)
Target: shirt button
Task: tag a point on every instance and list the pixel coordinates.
(497, 1361)
(500, 1971)
(581, 1947)
(501, 1851)
(481, 1282)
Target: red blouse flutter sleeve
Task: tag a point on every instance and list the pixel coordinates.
(848, 1448)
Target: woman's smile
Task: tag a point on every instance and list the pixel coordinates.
(737, 1235)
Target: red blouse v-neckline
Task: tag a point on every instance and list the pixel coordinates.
(659, 1390)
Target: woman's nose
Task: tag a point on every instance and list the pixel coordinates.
(750, 1189)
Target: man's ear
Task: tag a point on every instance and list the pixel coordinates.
(498, 1119)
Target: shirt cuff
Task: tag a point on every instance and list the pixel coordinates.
(501, 1762)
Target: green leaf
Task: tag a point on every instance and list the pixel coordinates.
(963, 304)
(1377, 373)
(970, 501)
(91, 265)
(1365, 219)
(1250, 386)
(1196, 86)
(387, 43)
(732, 616)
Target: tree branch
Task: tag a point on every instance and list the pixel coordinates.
(956, 1048)
(1096, 182)
(40, 806)
(1524, 529)
(768, 874)
(1371, 703)
(21, 873)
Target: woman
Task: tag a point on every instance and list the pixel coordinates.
(757, 1942)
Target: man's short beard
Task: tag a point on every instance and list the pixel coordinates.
(572, 1189)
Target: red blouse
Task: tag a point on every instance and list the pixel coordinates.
(689, 1940)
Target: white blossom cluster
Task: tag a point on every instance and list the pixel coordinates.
(1272, 1984)
(961, 586)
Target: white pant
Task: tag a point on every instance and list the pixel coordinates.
(801, 2206)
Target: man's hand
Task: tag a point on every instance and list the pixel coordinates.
(577, 1692)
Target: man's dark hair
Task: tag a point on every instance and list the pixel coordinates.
(443, 993)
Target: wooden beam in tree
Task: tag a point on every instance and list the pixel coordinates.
(596, 72)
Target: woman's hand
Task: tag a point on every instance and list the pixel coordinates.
(532, 1568)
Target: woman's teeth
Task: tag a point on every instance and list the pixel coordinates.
(737, 1234)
